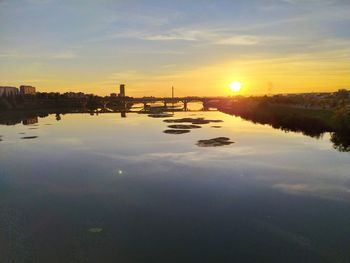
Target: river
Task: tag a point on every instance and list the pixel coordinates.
(83, 188)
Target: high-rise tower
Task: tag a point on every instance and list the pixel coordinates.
(122, 90)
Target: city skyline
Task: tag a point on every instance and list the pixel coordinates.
(270, 46)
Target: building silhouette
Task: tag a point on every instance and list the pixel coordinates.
(122, 90)
(27, 90)
(8, 91)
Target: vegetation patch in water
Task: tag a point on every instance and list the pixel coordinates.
(174, 131)
(29, 137)
(216, 142)
(184, 126)
(191, 120)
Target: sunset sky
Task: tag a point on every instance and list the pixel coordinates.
(199, 46)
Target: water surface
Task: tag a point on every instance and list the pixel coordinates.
(109, 189)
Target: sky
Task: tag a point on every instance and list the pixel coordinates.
(198, 46)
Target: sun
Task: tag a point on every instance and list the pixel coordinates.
(235, 86)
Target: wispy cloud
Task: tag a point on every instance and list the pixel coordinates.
(319, 2)
(240, 41)
(65, 54)
(168, 37)
(207, 36)
(39, 1)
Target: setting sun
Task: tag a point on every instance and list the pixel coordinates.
(235, 86)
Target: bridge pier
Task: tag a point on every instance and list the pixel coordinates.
(104, 104)
(146, 101)
(205, 106)
(185, 105)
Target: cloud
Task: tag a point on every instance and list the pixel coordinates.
(180, 34)
(39, 1)
(8, 55)
(252, 40)
(240, 41)
(320, 2)
(168, 37)
(65, 54)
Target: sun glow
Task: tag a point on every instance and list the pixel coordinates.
(235, 86)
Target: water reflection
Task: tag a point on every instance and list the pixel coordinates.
(312, 128)
(58, 117)
(341, 141)
(29, 137)
(176, 131)
(308, 126)
(216, 142)
(30, 120)
(113, 189)
(184, 126)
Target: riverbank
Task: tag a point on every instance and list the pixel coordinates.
(311, 122)
(308, 121)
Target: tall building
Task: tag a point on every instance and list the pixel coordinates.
(8, 91)
(27, 90)
(122, 90)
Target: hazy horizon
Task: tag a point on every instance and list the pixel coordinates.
(270, 46)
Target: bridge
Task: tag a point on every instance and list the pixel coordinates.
(146, 101)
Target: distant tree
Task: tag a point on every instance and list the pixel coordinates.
(341, 141)
(4, 103)
(92, 102)
(343, 94)
(342, 118)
